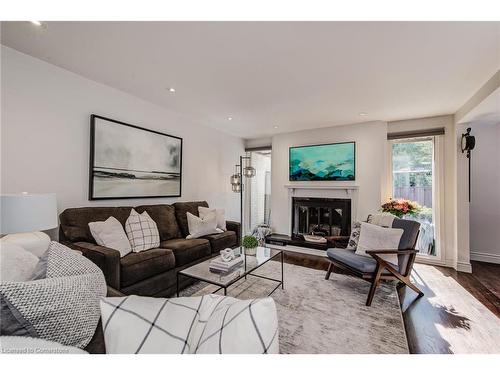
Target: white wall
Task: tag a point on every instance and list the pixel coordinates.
(371, 166)
(485, 194)
(45, 136)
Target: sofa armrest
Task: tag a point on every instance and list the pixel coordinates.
(235, 227)
(107, 259)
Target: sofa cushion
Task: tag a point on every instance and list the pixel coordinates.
(365, 264)
(181, 208)
(187, 251)
(142, 265)
(164, 217)
(220, 241)
(75, 221)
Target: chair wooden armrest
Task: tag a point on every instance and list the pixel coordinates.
(402, 252)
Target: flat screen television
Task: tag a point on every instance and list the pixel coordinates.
(327, 162)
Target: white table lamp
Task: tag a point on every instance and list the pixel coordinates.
(24, 215)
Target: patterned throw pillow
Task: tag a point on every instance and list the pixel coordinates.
(209, 324)
(142, 232)
(353, 240)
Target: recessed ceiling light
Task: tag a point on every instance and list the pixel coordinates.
(171, 89)
(363, 114)
(229, 118)
(38, 23)
(276, 126)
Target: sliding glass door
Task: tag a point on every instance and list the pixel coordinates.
(414, 178)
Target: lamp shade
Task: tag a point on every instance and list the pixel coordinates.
(27, 212)
(249, 171)
(235, 179)
(236, 188)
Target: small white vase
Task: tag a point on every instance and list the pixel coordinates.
(251, 251)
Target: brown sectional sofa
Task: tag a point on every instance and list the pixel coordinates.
(151, 272)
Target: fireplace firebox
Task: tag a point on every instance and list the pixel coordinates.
(321, 216)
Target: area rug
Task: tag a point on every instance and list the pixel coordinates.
(325, 316)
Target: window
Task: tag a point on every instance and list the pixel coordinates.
(414, 178)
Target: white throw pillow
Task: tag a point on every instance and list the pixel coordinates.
(142, 232)
(220, 214)
(207, 324)
(16, 263)
(199, 227)
(374, 237)
(110, 234)
(383, 219)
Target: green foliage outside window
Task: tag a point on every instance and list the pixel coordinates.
(412, 164)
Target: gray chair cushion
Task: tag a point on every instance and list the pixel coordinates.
(361, 263)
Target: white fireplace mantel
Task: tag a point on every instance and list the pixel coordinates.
(349, 189)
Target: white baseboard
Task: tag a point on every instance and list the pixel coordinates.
(464, 267)
(485, 257)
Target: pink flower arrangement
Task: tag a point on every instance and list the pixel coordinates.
(401, 207)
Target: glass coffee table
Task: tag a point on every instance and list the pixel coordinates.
(251, 263)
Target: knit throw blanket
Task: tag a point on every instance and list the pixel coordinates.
(62, 307)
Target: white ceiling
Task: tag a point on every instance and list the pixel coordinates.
(295, 75)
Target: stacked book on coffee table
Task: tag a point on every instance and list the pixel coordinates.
(219, 266)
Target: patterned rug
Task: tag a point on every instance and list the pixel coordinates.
(325, 316)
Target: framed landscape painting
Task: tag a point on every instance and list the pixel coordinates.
(328, 162)
(127, 161)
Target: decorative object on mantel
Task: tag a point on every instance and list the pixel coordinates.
(24, 215)
(127, 161)
(326, 162)
(250, 244)
(401, 207)
(237, 180)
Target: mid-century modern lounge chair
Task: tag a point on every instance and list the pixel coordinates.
(373, 268)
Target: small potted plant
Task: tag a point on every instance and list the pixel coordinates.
(250, 244)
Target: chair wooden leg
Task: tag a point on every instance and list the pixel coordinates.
(414, 288)
(376, 280)
(330, 269)
(406, 281)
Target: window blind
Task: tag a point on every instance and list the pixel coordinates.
(416, 133)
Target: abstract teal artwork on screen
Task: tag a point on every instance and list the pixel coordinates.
(332, 162)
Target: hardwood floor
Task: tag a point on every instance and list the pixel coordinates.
(460, 312)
